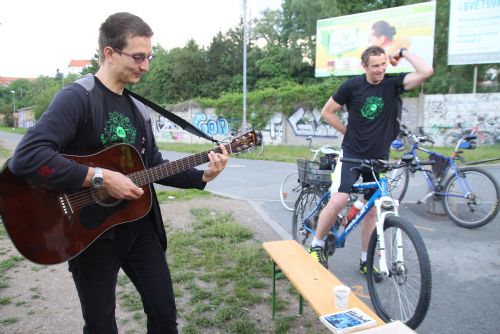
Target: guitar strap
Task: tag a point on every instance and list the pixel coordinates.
(88, 83)
(171, 116)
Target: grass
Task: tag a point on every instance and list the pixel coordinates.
(220, 274)
(13, 130)
(292, 153)
(184, 195)
(4, 153)
(287, 153)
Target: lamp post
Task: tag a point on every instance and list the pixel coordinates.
(13, 92)
(60, 76)
(245, 40)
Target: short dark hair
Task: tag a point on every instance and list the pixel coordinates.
(118, 27)
(371, 51)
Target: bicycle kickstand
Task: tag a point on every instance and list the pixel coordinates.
(421, 201)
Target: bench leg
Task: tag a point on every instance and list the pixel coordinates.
(301, 305)
(276, 275)
(274, 289)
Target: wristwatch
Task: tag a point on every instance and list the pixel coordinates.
(98, 178)
(401, 52)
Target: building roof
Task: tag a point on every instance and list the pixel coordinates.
(5, 81)
(79, 63)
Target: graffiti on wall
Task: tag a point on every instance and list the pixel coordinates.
(444, 113)
(273, 131)
(211, 124)
(166, 130)
(310, 123)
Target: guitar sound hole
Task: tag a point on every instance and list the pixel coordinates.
(101, 197)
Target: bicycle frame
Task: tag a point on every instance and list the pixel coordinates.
(431, 182)
(381, 195)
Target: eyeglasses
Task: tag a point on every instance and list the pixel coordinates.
(138, 58)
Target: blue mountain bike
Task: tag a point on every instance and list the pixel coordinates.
(470, 195)
(396, 248)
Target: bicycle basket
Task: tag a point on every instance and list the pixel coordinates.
(310, 173)
(440, 168)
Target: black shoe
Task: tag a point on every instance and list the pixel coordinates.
(318, 253)
(377, 274)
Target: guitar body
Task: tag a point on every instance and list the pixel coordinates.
(48, 227)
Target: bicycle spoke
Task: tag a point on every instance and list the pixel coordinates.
(472, 200)
(404, 294)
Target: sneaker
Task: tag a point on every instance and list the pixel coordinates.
(378, 275)
(318, 253)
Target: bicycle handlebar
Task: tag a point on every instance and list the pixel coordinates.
(325, 149)
(418, 139)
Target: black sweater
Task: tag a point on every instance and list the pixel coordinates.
(71, 125)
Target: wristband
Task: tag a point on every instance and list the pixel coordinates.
(401, 52)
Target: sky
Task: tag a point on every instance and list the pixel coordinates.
(37, 37)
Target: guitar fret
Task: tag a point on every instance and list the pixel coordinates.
(143, 177)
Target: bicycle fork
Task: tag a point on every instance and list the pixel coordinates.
(381, 254)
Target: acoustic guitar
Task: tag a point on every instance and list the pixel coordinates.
(50, 227)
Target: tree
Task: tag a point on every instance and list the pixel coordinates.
(94, 64)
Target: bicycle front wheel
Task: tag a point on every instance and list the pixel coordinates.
(290, 190)
(308, 200)
(398, 184)
(405, 293)
(475, 208)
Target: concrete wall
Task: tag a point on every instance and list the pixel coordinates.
(436, 114)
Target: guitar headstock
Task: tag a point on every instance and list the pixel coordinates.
(245, 142)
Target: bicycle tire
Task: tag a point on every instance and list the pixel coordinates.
(290, 189)
(398, 180)
(405, 293)
(480, 207)
(487, 139)
(452, 138)
(308, 199)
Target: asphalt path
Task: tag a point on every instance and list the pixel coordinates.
(465, 263)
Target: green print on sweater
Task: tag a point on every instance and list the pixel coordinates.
(118, 129)
(372, 107)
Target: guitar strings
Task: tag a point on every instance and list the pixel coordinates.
(88, 196)
(140, 178)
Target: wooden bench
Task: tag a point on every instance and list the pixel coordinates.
(313, 282)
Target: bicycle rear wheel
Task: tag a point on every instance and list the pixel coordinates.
(478, 207)
(398, 184)
(290, 190)
(486, 138)
(405, 293)
(452, 138)
(308, 200)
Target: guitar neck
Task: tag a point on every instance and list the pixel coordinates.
(167, 169)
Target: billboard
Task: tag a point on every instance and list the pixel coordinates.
(341, 40)
(474, 32)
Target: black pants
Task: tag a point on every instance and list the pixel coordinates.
(135, 248)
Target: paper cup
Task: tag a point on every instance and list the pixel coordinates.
(341, 294)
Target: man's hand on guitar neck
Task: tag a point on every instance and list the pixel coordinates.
(116, 184)
(218, 161)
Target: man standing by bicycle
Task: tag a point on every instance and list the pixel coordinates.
(372, 101)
